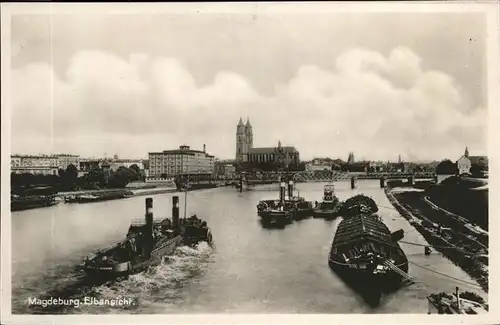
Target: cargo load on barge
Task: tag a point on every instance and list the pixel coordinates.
(329, 208)
(365, 253)
(276, 212)
(147, 243)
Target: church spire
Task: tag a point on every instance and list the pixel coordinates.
(248, 123)
(466, 152)
(240, 123)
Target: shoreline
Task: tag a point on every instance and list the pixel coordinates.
(459, 244)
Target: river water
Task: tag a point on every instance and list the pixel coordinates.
(250, 269)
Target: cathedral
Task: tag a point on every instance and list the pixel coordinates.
(246, 153)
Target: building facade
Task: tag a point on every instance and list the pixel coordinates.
(282, 156)
(225, 169)
(180, 161)
(117, 163)
(42, 164)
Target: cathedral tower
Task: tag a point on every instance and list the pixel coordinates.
(249, 134)
(241, 142)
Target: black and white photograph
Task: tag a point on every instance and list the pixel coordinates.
(258, 158)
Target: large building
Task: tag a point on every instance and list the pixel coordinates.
(117, 163)
(42, 164)
(246, 153)
(180, 161)
(465, 162)
(225, 169)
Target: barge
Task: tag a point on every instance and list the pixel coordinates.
(456, 303)
(364, 252)
(98, 196)
(330, 207)
(276, 212)
(146, 245)
(20, 203)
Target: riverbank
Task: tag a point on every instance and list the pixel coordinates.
(451, 236)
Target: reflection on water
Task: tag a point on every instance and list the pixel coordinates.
(251, 269)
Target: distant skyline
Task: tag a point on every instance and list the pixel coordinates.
(379, 85)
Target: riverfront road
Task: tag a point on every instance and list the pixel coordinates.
(250, 269)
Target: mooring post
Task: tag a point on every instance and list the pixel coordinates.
(353, 182)
(382, 182)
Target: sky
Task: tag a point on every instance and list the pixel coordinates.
(377, 84)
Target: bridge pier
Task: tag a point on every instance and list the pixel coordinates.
(411, 180)
(353, 182)
(382, 182)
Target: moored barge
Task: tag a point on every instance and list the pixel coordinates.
(19, 203)
(147, 243)
(98, 196)
(456, 303)
(365, 253)
(329, 208)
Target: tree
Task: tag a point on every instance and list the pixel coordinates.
(476, 170)
(136, 169)
(72, 173)
(121, 177)
(446, 167)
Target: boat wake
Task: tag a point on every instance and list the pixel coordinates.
(158, 285)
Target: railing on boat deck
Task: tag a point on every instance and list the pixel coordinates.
(396, 269)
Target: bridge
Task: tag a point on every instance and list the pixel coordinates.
(258, 177)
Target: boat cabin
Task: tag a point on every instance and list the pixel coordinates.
(329, 193)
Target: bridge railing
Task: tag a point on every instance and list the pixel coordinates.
(331, 175)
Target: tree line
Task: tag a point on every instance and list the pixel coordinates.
(68, 179)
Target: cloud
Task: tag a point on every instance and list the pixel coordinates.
(377, 106)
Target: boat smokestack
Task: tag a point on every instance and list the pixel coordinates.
(204, 148)
(175, 212)
(290, 189)
(282, 192)
(149, 225)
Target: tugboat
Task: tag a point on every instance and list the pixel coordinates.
(331, 205)
(302, 208)
(147, 243)
(276, 212)
(365, 253)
